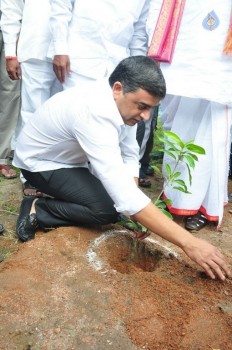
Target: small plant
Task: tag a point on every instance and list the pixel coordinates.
(181, 152)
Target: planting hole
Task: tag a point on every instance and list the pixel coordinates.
(126, 254)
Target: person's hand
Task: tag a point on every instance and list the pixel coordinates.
(208, 257)
(13, 69)
(61, 66)
(141, 235)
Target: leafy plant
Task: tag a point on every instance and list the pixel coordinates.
(175, 148)
(185, 152)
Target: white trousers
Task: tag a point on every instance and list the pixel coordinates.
(208, 125)
(39, 83)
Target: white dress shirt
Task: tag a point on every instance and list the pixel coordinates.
(28, 23)
(97, 35)
(83, 127)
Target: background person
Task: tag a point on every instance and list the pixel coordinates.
(198, 106)
(26, 33)
(9, 113)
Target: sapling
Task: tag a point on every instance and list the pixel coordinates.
(181, 152)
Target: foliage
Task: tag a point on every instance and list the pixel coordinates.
(180, 151)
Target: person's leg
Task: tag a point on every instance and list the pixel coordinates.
(9, 112)
(39, 83)
(194, 114)
(207, 123)
(145, 136)
(78, 199)
(145, 160)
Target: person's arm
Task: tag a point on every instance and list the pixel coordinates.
(139, 42)
(153, 15)
(12, 13)
(130, 150)
(61, 15)
(200, 251)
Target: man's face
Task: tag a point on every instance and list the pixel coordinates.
(134, 106)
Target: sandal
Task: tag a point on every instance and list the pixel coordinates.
(196, 222)
(7, 172)
(30, 191)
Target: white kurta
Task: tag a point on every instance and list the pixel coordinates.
(198, 104)
(98, 35)
(199, 69)
(26, 32)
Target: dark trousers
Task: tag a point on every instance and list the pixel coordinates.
(230, 168)
(140, 135)
(79, 198)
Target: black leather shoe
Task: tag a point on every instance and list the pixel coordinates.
(147, 169)
(27, 223)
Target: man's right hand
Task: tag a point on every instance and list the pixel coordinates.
(13, 69)
(61, 66)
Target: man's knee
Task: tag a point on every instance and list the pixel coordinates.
(105, 218)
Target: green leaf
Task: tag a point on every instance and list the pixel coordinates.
(189, 174)
(167, 201)
(169, 153)
(194, 156)
(167, 213)
(181, 182)
(171, 145)
(190, 161)
(168, 169)
(195, 148)
(177, 174)
(181, 189)
(156, 169)
(171, 135)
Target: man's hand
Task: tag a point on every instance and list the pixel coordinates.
(209, 258)
(13, 69)
(61, 66)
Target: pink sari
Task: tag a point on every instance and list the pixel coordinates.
(165, 35)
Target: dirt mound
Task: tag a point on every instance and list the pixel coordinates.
(76, 288)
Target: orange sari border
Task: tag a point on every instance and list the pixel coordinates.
(189, 212)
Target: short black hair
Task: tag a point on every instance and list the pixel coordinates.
(139, 72)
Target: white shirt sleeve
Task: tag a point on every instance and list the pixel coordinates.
(61, 15)
(104, 152)
(153, 15)
(130, 150)
(139, 42)
(12, 13)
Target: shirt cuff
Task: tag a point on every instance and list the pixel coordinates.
(60, 48)
(10, 50)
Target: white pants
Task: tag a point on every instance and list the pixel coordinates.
(208, 125)
(39, 82)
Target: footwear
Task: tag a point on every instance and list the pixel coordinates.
(144, 180)
(2, 229)
(156, 155)
(30, 191)
(230, 197)
(196, 222)
(147, 169)
(27, 223)
(7, 172)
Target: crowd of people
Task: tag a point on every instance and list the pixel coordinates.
(83, 128)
